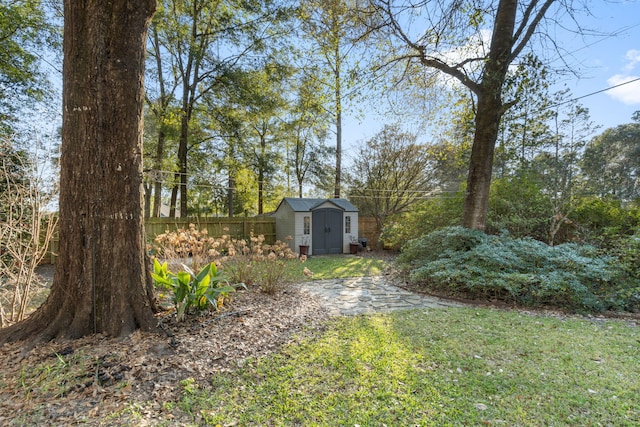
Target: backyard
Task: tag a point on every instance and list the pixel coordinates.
(280, 360)
(178, 160)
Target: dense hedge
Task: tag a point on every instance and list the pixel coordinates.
(469, 263)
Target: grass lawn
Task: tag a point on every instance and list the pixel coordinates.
(342, 266)
(459, 367)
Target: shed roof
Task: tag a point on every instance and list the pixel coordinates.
(306, 205)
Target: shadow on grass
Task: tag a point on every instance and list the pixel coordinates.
(438, 367)
(344, 266)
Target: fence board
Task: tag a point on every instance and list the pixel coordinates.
(239, 228)
(216, 227)
(368, 229)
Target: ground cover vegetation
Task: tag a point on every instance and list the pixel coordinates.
(455, 367)
(461, 262)
(342, 266)
(459, 366)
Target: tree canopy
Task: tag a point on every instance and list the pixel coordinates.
(25, 33)
(611, 163)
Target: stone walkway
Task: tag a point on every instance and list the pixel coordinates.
(360, 295)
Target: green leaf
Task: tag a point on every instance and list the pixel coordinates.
(184, 278)
(203, 285)
(204, 272)
(157, 268)
(213, 269)
(162, 280)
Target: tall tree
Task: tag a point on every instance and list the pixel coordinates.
(100, 283)
(263, 115)
(330, 24)
(560, 164)
(160, 96)
(206, 39)
(526, 128)
(390, 174)
(445, 44)
(306, 132)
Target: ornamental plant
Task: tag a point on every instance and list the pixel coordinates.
(249, 261)
(193, 244)
(468, 263)
(199, 291)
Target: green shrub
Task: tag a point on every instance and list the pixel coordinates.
(469, 263)
(626, 249)
(200, 291)
(432, 214)
(604, 222)
(432, 246)
(518, 204)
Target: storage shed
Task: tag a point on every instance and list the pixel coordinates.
(323, 226)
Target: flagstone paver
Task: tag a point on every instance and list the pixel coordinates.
(358, 295)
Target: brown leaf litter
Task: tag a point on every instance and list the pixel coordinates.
(97, 380)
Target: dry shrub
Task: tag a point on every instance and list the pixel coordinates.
(25, 233)
(250, 261)
(182, 245)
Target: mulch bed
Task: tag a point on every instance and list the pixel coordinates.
(100, 376)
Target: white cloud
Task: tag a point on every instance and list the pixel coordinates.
(633, 56)
(628, 94)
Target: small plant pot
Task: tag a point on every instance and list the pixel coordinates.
(304, 250)
(353, 248)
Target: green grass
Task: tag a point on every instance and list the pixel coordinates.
(343, 266)
(457, 367)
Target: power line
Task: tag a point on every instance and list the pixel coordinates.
(595, 93)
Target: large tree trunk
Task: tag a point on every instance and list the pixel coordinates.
(476, 202)
(338, 95)
(182, 162)
(490, 110)
(100, 283)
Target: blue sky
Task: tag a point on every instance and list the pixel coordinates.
(611, 61)
(600, 62)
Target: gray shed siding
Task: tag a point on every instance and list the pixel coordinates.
(285, 224)
(290, 220)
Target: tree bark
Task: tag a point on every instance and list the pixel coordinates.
(174, 196)
(160, 113)
(182, 162)
(157, 180)
(261, 169)
(490, 110)
(100, 283)
(338, 95)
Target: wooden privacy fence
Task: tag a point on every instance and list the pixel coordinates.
(239, 228)
(368, 229)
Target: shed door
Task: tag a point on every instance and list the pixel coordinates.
(327, 231)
